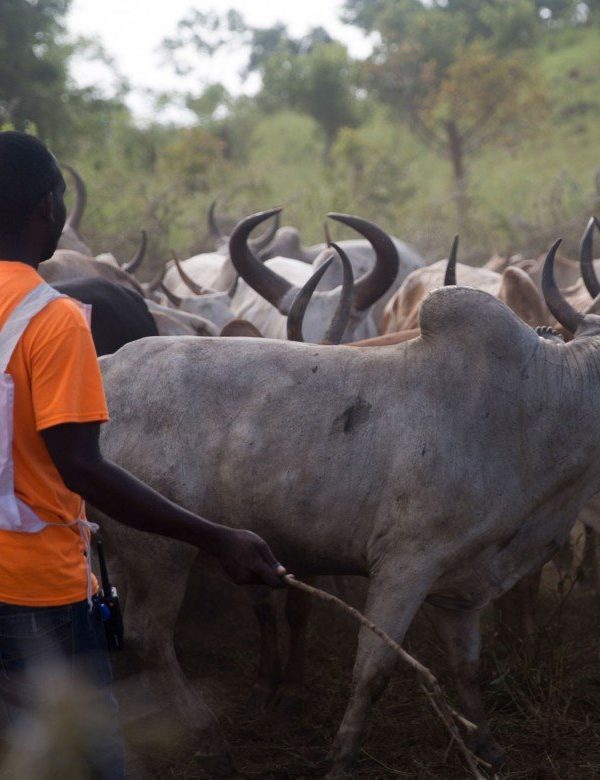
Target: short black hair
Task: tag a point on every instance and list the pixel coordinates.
(28, 171)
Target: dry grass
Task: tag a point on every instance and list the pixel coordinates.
(544, 709)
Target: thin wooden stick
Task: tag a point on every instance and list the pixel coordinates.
(430, 686)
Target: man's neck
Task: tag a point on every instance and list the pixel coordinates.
(20, 251)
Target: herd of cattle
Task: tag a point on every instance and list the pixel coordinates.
(436, 434)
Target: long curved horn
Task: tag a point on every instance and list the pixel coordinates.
(261, 242)
(214, 228)
(233, 286)
(257, 244)
(186, 279)
(157, 280)
(559, 307)
(267, 283)
(74, 219)
(136, 261)
(376, 282)
(450, 275)
(301, 301)
(171, 297)
(335, 331)
(586, 259)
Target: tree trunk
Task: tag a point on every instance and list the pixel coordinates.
(329, 141)
(456, 153)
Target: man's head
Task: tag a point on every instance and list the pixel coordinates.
(32, 209)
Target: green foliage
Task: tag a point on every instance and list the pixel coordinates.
(33, 74)
(312, 73)
(320, 83)
(454, 73)
(312, 141)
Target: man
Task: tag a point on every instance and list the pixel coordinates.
(51, 394)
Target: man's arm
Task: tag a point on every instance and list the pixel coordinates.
(76, 454)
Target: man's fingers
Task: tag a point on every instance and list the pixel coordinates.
(269, 575)
(267, 554)
(271, 560)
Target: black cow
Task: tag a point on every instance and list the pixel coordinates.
(119, 315)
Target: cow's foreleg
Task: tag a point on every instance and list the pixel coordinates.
(393, 598)
(515, 613)
(269, 674)
(589, 564)
(158, 571)
(461, 635)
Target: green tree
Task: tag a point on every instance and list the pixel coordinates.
(320, 83)
(457, 75)
(33, 63)
(312, 74)
(36, 91)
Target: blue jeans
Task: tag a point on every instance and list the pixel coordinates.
(69, 639)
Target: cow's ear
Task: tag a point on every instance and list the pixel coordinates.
(519, 293)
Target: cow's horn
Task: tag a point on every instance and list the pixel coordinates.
(175, 300)
(338, 324)
(74, 219)
(586, 259)
(213, 226)
(156, 281)
(450, 275)
(335, 332)
(233, 286)
(261, 242)
(136, 261)
(301, 301)
(257, 244)
(376, 282)
(185, 278)
(559, 307)
(267, 283)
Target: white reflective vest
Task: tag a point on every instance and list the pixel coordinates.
(15, 515)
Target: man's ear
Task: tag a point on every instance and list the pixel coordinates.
(51, 206)
(46, 208)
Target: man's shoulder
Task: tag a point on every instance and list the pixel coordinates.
(62, 315)
(63, 311)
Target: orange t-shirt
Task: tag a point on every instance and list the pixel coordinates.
(57, 380)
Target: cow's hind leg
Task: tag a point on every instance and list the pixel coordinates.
(393, 598)
(462, 639)
(515, 613)
(284, 689)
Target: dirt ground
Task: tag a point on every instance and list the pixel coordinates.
(544, 711)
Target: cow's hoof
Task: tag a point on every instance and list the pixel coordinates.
(217, 765)
(488, 750)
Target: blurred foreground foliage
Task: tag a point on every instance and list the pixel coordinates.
(483, 116)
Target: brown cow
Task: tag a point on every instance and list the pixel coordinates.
(514, 287)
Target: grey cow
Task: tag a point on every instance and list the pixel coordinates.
(443, 469)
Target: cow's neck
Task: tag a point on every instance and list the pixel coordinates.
(570, 388)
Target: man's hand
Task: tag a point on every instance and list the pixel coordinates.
(248, 560)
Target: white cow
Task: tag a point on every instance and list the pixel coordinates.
(361, 255)
(444, 469)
